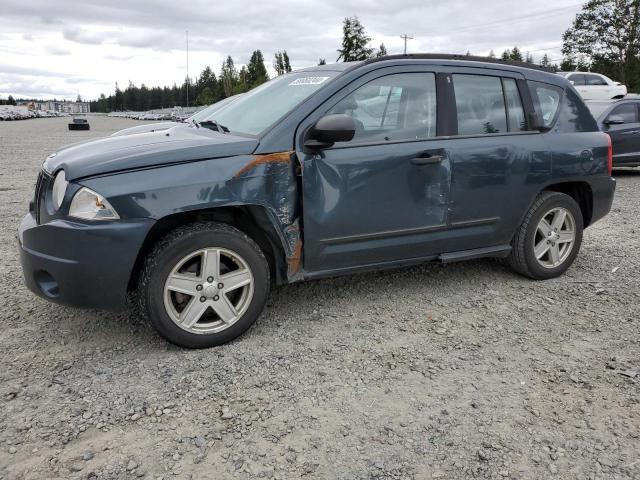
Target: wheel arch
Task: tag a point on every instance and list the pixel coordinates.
(253, 220)
(581, 192)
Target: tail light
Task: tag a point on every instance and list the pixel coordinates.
(609, 155)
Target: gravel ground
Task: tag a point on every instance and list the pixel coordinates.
(459, 371)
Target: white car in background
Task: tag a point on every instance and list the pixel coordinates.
(594, 86)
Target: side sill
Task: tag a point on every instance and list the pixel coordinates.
(499, 251)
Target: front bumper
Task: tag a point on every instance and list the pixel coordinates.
(81, 264)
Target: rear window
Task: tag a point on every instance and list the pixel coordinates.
(547, 101)
(480, 105)
(481, 108)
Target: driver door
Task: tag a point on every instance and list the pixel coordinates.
(381, 198)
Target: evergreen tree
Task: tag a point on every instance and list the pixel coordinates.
(285, 60)
(11, 100)
(516, 55)
(228, 77)
(322, 61)
(278, 63)
(256, 71)
(382, 51)
(491, 54)
(545, 62)
(506, 55)
(528, 58)
(354, 41)
(205, 97)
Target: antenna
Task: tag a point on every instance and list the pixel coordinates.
(405, 37)
(187, 68)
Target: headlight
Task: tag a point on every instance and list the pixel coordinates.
(89, 205)
(59, 189)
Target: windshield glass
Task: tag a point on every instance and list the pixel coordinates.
(258, 109)
(597, 108)
(207, 112)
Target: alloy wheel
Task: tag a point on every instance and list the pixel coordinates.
(208, 290)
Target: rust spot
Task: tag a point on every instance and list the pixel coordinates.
(294, 261)
(279, 157)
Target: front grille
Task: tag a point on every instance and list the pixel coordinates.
(41, 188)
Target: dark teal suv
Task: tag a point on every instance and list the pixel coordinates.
(325, 171)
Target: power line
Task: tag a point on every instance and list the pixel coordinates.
(522, 17)
(406, 37)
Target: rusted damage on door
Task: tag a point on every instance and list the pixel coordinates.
(294, 254)
(279, 157)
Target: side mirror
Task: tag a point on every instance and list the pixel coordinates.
(614, 120)
(329, 130)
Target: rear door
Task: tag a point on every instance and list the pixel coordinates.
(495, 158)
(625, 137)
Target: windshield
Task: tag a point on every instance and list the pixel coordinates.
(207, 112)
(258, 109)
(597, 108)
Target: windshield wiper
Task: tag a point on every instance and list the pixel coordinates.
(213, 125)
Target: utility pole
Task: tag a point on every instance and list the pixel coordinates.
(188, 69)
(405, 37)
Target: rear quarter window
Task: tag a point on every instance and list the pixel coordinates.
(562, 111)
(546, 99)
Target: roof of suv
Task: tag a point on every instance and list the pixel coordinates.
(443, 59)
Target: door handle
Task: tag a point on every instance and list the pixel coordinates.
(430, 160)
(632, 132)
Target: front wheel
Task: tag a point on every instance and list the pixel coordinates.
(549, 238)
(204, 284)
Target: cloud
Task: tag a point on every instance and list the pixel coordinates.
(144, 40)
(53, 50)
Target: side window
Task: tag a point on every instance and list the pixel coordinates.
(392, 108)
(594, 80)
(577, 79)
(627, 111)
(547, 100)
(517, 120)
(479, 104)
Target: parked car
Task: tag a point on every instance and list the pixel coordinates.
(293, 181)
(197, 117)
(594, 86)
(621, 120)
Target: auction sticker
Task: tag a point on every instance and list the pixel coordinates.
(309, 81)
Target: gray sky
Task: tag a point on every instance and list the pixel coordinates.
(61, 48)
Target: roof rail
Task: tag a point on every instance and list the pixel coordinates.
(468, 58)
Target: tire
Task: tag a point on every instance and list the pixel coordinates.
(523, 258)
(178, 264)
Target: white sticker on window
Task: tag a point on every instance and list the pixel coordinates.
(309, 81)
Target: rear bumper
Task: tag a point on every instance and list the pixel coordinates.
(80, 264)
(603, 189)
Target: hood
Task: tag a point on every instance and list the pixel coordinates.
(181, 143)
(147, 127)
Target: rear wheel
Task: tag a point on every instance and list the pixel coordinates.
(549, 238)
(204, 284)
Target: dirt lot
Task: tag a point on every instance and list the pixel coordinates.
(456, 372)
